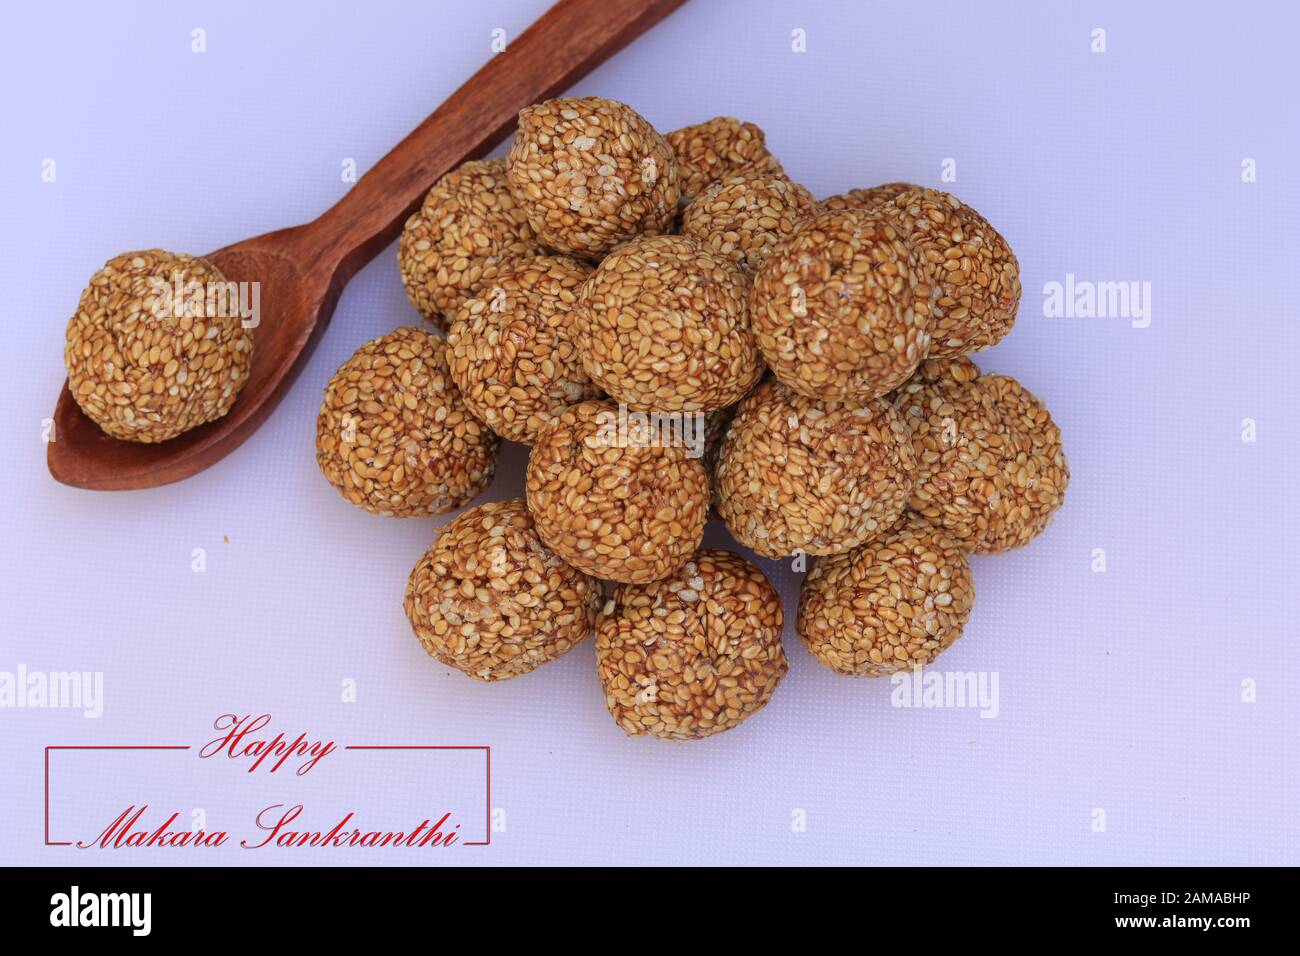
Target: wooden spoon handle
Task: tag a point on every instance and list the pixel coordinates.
(570, 39)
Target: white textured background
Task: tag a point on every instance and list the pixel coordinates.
(1119, 691)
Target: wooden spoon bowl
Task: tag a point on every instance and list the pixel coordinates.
(303, 270)
(293, 310)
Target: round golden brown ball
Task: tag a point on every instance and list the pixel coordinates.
(694, 654)
(489, 599)
(612, 502)
(394, 435)
(156, 347)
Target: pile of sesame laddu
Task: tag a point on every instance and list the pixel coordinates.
(679, 332)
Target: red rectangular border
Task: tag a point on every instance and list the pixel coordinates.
(487, 750)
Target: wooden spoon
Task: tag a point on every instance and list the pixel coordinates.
(303, 270)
